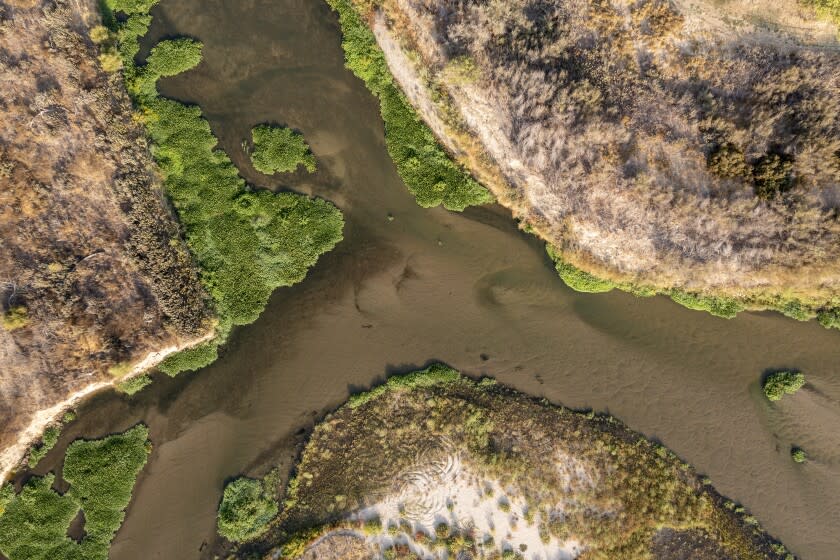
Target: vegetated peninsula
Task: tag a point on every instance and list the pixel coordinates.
(247, 242)
(686, 148)
(95, 280)
(435, 465)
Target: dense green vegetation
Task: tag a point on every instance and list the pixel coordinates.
(247, 508)
(48, 441)
(248, 243)
(827, 9)
(798, 455)
(279, 149)
(583, 281)
(101, 474)
(190, 359)
(719, 306)
(434, 374)
(576, 278)
(428, 172)
(134, 384)
(781, 383)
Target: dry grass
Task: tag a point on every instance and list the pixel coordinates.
(606, 119)
(90, 254)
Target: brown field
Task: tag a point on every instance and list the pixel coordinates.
(95, 280)
(692, 146)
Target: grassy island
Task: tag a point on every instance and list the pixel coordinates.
(278, 149)
(35, 520)
(781, 383)
(433, 464)
(247, 242)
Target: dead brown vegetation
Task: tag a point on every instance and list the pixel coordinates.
(90, 254)
(649, 151)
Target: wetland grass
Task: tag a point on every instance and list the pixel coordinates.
(247, 242)
(101, 474)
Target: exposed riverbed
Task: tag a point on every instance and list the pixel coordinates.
(466, 289)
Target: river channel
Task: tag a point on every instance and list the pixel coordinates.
(410, 285)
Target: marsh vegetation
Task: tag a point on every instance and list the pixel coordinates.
(278, 149)
(247, 242)
(427, 170)
(34, 520)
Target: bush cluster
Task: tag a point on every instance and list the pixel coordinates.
(245, 510)
(577, 279)
(101, 474)
(426, 169)
(278, 149)
(781, 383)
(48, 441)
(16, 317)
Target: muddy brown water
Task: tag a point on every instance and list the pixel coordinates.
(466, 289)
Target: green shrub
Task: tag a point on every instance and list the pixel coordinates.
(279, 149)
(829, 318)
(34, 523)
(190, 359)
(780, 383)
(16, 317)
(295, 545)
(433, 375)
(795, 309)
(245, 510)
(717, 306)
(373, 526)
(576, 278)
(48, 441)
(426, 169)
(798, 455)
(130, 6)
(110, 62)
(134, 385)
(826, 9)
(101, 474)
(441, 530)
(100, 34)
(772, 175)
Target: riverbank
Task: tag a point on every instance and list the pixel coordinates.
(669, 224)
(13, 457)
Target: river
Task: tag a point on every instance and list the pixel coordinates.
(410, 285)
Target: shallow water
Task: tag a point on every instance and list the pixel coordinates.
(467, 289)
